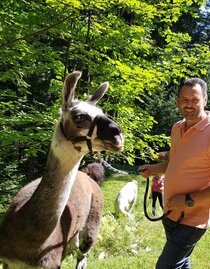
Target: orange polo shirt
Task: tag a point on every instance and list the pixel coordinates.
(189, 169)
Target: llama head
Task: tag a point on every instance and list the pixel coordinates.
(84, 124)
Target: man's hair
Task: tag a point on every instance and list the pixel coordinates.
(193, 82)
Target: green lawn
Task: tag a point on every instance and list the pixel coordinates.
(132, 243)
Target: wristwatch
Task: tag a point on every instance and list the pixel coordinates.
(189, 201)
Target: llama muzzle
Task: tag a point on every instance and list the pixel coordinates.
(110, 133)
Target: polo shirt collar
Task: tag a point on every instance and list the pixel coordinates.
(200, 126)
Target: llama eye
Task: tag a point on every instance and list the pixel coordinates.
(79, 118)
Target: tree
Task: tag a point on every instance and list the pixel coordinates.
(136, 45)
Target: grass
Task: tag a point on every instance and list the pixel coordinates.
(131, 243)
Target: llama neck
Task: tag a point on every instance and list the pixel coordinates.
(55, 187)
(50, 198)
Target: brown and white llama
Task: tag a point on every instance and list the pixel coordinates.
(64, 207)
(94, 170)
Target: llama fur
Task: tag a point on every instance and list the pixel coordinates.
(126, 199)
(94, 170)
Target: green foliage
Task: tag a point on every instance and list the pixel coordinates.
(142, 48)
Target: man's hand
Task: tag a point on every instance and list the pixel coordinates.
(145, 170)
(177, 202)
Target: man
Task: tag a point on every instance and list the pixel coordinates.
(187, 177)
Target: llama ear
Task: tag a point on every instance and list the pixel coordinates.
(99, 93)
(69, 88)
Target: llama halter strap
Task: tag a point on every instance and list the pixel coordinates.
(77, 139)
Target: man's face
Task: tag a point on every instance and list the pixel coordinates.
(191, 102)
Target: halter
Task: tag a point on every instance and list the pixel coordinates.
(77, 139)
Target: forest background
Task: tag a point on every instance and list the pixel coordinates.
(143, 48)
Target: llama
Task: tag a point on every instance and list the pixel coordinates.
(64, 207)
(126, 199)
(94, 170)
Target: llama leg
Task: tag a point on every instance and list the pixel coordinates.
(75, 245)
(124, 210)
(92, 227)
(132, 203)
(81, 263)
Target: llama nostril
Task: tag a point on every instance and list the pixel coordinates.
(114, 129)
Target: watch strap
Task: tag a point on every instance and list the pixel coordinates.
(188, 200)
(188, 197)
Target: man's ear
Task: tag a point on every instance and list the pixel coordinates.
(205, 100)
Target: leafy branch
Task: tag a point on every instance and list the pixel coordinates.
(12, 41)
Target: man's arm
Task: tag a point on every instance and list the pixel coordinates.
(149, 169)
(199, 197)
(202, 196)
